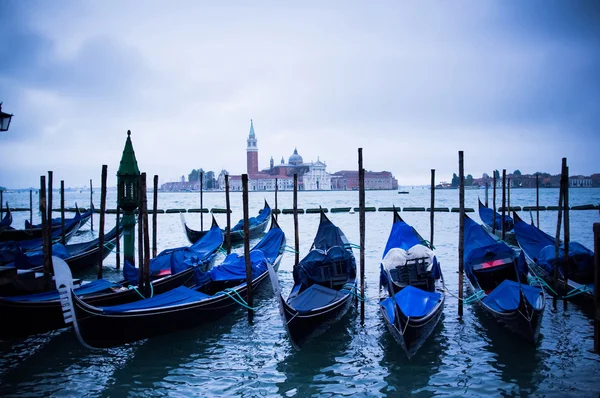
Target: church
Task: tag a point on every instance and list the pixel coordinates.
(312, 176)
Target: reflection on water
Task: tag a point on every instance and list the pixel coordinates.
(470, 357)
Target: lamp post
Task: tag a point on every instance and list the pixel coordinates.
(127, 197)
(4, 119)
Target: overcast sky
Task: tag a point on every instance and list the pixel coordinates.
(515, 84)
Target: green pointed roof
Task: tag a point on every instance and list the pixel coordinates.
(128, 164)
(251, 130)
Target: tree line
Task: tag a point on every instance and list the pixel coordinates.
(208, 178)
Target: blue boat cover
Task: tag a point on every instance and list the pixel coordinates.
(315, 267)
(96, 286)
(487, 216)
(263, 215)
(403, 236)
(177, 296)
(181, 258)
(539, 246)
(316, 296)
(412, 301)
(270, 244)
(130, 273)
(35, 258)
(58, 220)
(506, 297)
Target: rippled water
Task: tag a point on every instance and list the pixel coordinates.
(469, 357)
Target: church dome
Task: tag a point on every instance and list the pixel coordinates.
(295, 159)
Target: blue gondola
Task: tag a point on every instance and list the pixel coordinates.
(215, 292)
(413, 279)
(57, 222)
(487, 217)
(497, 279)
(540, 252)
(324, 285)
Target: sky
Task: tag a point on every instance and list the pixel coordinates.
(513, 84)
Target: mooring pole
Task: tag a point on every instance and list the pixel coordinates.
(201, 206)
(49, 207)
(361, 216)
(508, 196)
(296, 236)
(537, 198)
(155, 216)
(558, 225)
(567, 230)
(62, 211)
(91, 205)
(276, 182)
(118, 242)
(432, 208)
(144, 214)
(597, 287)
(249, 298)
(30, 206)
(503, 203)
(102, 219)
(461, 230)
(494, 205)
(487, 186)
(46, 247)
(228, 231)
(1, 204)
(140, 240)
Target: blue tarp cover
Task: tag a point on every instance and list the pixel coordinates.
(413, 302)
(540, 247)
(96, 286)
(36, 258)
(487, 216)
(309, 270)
(506, 296)
(316, 296)
(263, 214)
(403, 236)
(179, 295)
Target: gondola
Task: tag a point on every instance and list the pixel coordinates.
(539, 249)
(57, 222)
(411, 274)
(487, 216)
(497, 280)
(216, 292)
(6, 220)
(324, 285)
(18, 235)
(257, 226)
(37, 313)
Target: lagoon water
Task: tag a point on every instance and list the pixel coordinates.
(468, 357)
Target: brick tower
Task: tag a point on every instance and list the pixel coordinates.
(252, 152)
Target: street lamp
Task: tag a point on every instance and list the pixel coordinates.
(4, 119)
(127, 196)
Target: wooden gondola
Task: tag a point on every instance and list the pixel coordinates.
(539, 250)
(32, 234)
(487, 217)
(324, 285)
(216, 292)
(257, 226)
(413, 279)
(57, 222)
(6, 220)
(497, 279)
(37, 313)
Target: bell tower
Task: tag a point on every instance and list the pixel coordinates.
(252, 152)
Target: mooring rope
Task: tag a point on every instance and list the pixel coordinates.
(240, 300)
(578, 290)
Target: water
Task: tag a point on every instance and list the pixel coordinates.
(468, 357)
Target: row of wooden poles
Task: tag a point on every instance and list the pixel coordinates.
(144, 243)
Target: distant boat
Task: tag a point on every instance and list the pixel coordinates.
(402, 192)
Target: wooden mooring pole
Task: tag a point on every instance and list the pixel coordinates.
(63, 239)
(567, 229)
(508, 195)
(118, 242)
(140, 238)
(144, 220)
(48, 230)
(102, 219)
(201, 204)
(487, 187)
(494, 204)
(537, 198)
(45, 246)
(91, 205)
(296, 236)
(597, 287)
(1, 204)
(228, 230)
(155, 216)
(276, 187)
(30, 206)
(558, 225)
(249, 298)
(502, 223)
(461, 230)
(432, 207)
(361, 214)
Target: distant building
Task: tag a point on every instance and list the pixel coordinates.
(580, 182)
(374, 180)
